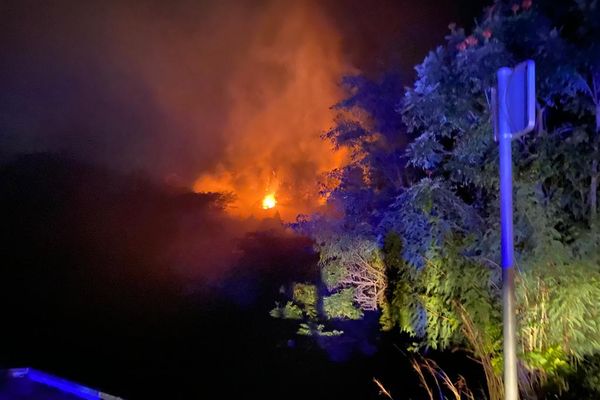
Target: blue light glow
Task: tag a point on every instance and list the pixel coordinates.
(63, 385)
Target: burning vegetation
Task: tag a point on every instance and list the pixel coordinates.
(281, 97)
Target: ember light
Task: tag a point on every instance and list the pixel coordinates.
(269, 201)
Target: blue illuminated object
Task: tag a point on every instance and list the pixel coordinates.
(514, 115)
(59, 384)
(520, 99)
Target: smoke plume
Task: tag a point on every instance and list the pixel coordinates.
(281, 94)
(227, 95)
(215, 96)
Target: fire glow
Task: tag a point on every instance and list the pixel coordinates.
(269, 201)
(281, 98)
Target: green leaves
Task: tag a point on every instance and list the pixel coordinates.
(425, 216)
(448, 223)
(313, 311)
(429, 303)
(422, 247)
(306, 296)
(302, 306)
(288, 311)
(340, 305)
(552, 360)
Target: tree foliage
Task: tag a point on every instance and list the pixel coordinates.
(448, 109)
(419, 199)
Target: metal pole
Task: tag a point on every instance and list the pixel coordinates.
(511, 389)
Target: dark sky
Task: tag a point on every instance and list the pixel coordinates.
(226, 95)
(377, 34)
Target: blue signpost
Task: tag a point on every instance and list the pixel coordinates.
(514, 116)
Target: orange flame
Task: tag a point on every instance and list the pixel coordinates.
(269, 201)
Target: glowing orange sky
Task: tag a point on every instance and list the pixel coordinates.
(281, 98)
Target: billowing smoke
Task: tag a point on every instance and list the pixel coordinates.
(211, 95)
(281, 94)
(255, 92)
(227, 95)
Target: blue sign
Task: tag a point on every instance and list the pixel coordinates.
(520, 99)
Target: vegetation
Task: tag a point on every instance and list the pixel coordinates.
(418, 240)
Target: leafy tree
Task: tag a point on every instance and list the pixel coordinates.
(368, 127)
(419, 199)
(448, 111)
(304, 308)
(352, 268)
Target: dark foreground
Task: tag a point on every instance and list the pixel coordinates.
(95, 289)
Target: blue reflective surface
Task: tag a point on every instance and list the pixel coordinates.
(29, 383)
